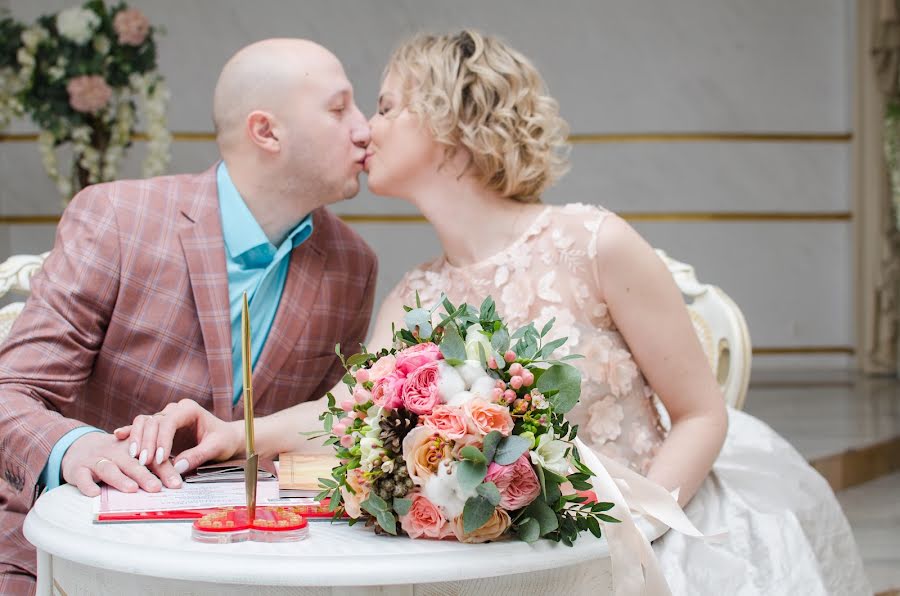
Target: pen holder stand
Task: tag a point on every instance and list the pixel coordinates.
(231, 524)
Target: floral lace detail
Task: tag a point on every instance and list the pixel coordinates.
(549, 272)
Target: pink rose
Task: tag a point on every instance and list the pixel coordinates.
(420, 390)
(424, 518)
(352, 500)
(418, 355)
(88, 93)
(386, 391)
(517, 483)
(484, 417)
(131, 26)
(448, 421)
(382, 367)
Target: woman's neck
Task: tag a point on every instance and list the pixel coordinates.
(472, 223)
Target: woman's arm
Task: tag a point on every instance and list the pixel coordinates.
(649, 311)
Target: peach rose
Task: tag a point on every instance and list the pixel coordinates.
(420, 392)
(423, 451)
(131, 26)
(498, 523)
(382, 367)
(517, 483)
(448, 421)
(484, 417)
(88, 93)
(418, 355)
(386, 391)
(425, 519)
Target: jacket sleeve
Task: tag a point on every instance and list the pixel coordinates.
(49, 355)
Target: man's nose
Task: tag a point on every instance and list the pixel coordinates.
(361, 134)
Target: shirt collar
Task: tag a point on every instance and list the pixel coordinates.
(240, 230)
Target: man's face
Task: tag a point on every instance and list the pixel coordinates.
(327, 135)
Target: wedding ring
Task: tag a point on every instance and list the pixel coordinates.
(101, 460)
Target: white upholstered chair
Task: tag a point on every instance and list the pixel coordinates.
(15, 276)
(721, 328)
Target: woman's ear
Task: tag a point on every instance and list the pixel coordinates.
(261, 131)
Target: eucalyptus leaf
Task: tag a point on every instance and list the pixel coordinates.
(510, 449)
(544, 515)
(452, 346)
(566, 380)
(547, 326)
(489, 445)
(421, 318)
(402, 506)
(387, 521)
(529, 530)
(500, 340)
(374, 504)
(476, 512)
(470, 475)
(550, 347)
(472, 453)
(489, 491)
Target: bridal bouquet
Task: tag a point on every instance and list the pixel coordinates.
(458, 431)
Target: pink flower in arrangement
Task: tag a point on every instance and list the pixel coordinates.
(484, 417)
(386, 391)
(424, 518)
(448, 421)
(420, 392)
(382, 367)
(88, 93)
(131, 26)
(418, 355)
(517, 483)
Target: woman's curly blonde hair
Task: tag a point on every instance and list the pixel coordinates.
(478, 94)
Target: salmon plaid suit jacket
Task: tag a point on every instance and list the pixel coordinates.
(130, 312)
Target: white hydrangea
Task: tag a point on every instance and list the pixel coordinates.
(77, 24)
(33, 36)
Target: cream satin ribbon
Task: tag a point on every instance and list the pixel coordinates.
(635, 569)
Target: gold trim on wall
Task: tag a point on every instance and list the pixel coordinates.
(576, 139)
(803, 350)
(365, 218)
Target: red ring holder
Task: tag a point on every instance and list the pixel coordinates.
(271, 524)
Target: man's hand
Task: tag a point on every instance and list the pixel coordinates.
(151, 438)
(99, 457)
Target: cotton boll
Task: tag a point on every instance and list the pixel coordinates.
(470, 371)
(483, 387)
(444, 491)
(450, 382)
(460, 399)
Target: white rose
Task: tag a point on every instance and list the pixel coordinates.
(470, 371)
(475, 337)
(24, 57)
(449, 381)
(77, 24)
(32, 36)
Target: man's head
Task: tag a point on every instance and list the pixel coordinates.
(286, 120)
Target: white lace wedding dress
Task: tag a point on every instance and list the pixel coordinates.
(786, 531)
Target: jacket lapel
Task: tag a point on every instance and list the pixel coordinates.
(204, 251)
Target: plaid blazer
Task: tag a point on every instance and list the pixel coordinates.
(130, 312)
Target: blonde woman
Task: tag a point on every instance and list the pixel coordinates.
(466, 132)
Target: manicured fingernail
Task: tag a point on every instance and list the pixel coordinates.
(181, 465)
(143, 459)
(174, 481)
(132, 486)
(159, 455)
(132, 451)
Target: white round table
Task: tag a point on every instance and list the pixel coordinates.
(77, 557)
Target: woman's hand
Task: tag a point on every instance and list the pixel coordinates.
(151, 438)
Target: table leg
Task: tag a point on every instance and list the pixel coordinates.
(44, 574)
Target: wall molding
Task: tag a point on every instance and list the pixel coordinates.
(644, 216)
(575, 138)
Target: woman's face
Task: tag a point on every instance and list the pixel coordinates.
(402, 153)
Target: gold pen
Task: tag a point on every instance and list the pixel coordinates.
(252, 467)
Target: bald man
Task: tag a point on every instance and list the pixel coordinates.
(138, 304)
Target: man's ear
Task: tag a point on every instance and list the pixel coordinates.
(261, 131)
